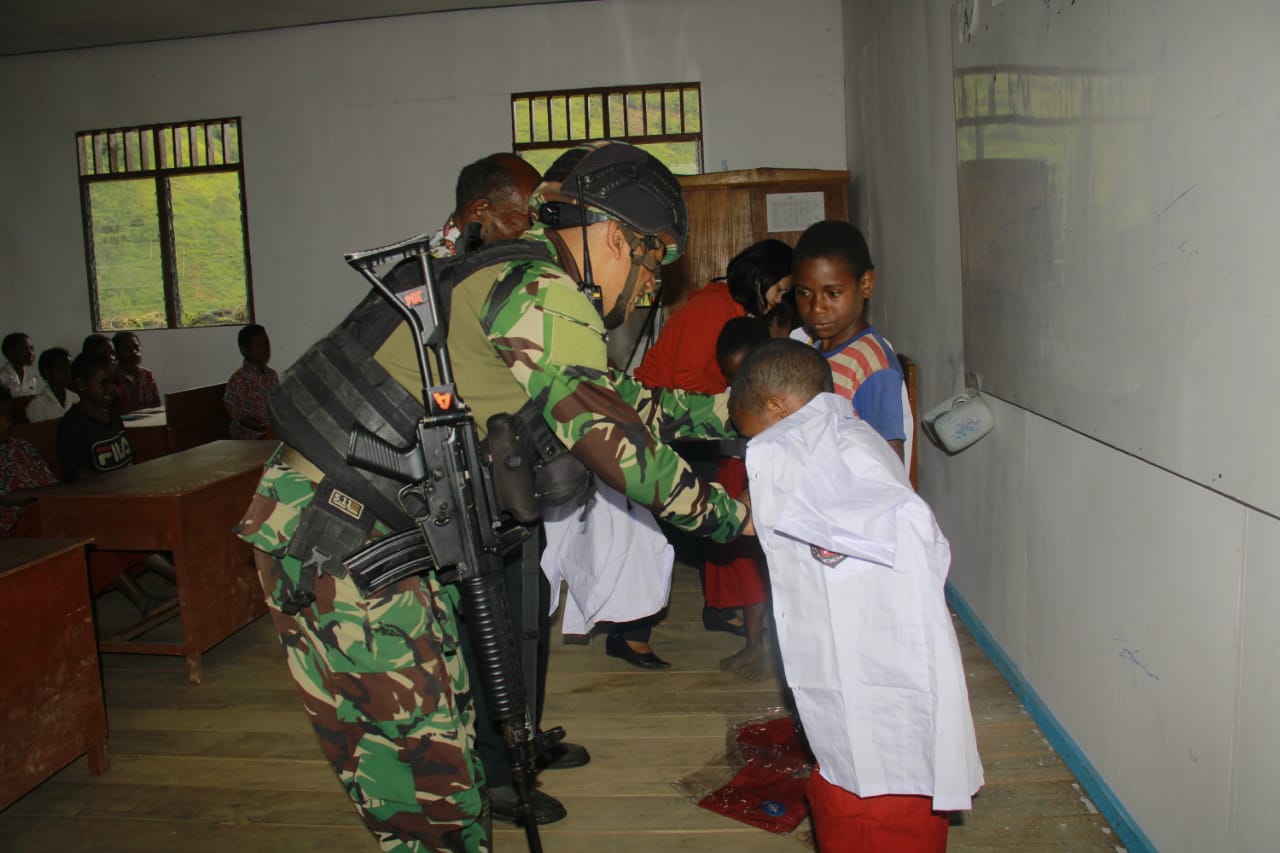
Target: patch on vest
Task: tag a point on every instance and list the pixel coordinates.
(346, 504)
(827, 558)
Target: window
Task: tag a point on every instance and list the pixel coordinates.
(665, 119)
(165, 229)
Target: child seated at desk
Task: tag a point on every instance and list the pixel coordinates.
(857, 567)
(92, 441)
(15, 371)
(54, 397)
(246, 394)
(22, 474)
(91, 436)
(136, 386)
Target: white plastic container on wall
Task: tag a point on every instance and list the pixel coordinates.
(957, 423)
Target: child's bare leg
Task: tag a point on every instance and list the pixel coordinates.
(754, 661)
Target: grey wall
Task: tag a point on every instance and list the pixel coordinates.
(354, 133)
(1138, 605)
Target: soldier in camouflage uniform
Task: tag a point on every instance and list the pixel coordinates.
(524, 330)
(382, 680)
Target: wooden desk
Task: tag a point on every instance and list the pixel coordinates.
(186, 503)
(148, 434)
(51, 707)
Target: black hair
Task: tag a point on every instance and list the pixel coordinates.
(11, 340)
(247, 333)
(740, 335)
(50, 357)
(785, 312)
(835, 239)
(118, 339)
(5, 394)
(87, 362)
(756, 269)
(778, 366)
(489, 177)
(92, 342)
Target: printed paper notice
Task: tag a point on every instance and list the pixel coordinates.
(793, 211)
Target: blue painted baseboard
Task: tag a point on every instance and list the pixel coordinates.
(1131, 835)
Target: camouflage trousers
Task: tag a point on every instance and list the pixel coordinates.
(384, 684)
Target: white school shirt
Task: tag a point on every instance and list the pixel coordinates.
(613, 558)
(19, 384)
(857, 566)
(45, 407)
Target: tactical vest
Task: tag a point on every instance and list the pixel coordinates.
(337, 383)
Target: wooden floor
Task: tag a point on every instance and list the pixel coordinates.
(232, 765)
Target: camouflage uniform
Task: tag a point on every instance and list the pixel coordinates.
(523, 331)
(382, 680)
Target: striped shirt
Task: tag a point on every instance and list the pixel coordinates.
(865, 370)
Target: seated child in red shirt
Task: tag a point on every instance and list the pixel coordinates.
(248, 388)
(136, 386)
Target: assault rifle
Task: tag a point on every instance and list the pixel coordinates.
(449, 494)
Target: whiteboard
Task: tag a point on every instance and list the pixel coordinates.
(1119, 186)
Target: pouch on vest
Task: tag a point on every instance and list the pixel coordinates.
(532, 469)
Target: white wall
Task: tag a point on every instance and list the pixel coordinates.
(354, 134)
(1140, 607)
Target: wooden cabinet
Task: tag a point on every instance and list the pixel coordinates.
(51, 706)
(729, 211)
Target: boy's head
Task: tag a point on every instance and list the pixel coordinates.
(833, 279)
(128, 349)
(738, 338)
(55, 367)
(777, 378)
(8, 418)
(101, 345)
(759, 275)
(255, 346)
(18, 350)
(93, 378)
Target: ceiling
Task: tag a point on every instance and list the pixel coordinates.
(36, 26)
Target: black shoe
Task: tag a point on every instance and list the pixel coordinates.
(616, 647)
(563, 756)
(722, 620)
(504, 805)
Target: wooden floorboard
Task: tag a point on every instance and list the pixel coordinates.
(233, 765)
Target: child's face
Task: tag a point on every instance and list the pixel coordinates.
(831, 300)
(21, 353)
(129, 351)
(98, 389)
(59, 374)
(258, 349)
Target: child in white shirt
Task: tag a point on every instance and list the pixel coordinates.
(857, 567)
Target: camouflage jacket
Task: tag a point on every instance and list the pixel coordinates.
(522, 331)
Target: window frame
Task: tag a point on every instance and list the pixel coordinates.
(646, 136)
(151, 163)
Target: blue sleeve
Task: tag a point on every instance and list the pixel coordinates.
(878, 401)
